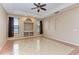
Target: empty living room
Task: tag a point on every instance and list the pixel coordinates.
(39, 29)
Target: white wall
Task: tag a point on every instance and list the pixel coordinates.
(64, 26)
(3, 26)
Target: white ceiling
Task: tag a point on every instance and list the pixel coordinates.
(24, 9)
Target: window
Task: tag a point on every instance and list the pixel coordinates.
(16, 25)
(38, 25)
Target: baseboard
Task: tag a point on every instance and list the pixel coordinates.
(18, 38)
(2, 45)
(62, 41)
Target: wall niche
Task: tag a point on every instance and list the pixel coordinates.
(28, 27)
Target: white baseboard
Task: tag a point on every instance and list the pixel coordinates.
(2, 45)
(61, 40)
(17, 38)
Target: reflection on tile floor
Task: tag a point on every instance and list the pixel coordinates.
(35, 46)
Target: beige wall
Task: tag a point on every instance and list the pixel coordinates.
(64, 26)
(3, 26)
(21, 25)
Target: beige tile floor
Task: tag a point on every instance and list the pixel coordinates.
(36, 46)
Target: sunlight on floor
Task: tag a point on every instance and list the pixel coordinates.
(16, 49)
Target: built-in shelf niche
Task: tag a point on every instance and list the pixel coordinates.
(28, 28)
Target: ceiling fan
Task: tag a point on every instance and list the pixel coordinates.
(39, 7)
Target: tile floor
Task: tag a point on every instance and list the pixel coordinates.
(35, 46)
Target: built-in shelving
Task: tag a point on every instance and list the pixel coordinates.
(28, 29)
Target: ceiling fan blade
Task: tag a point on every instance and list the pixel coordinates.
(36, 4)
(38, 10)
(43, 5)
(34, 8)
(44, 9)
